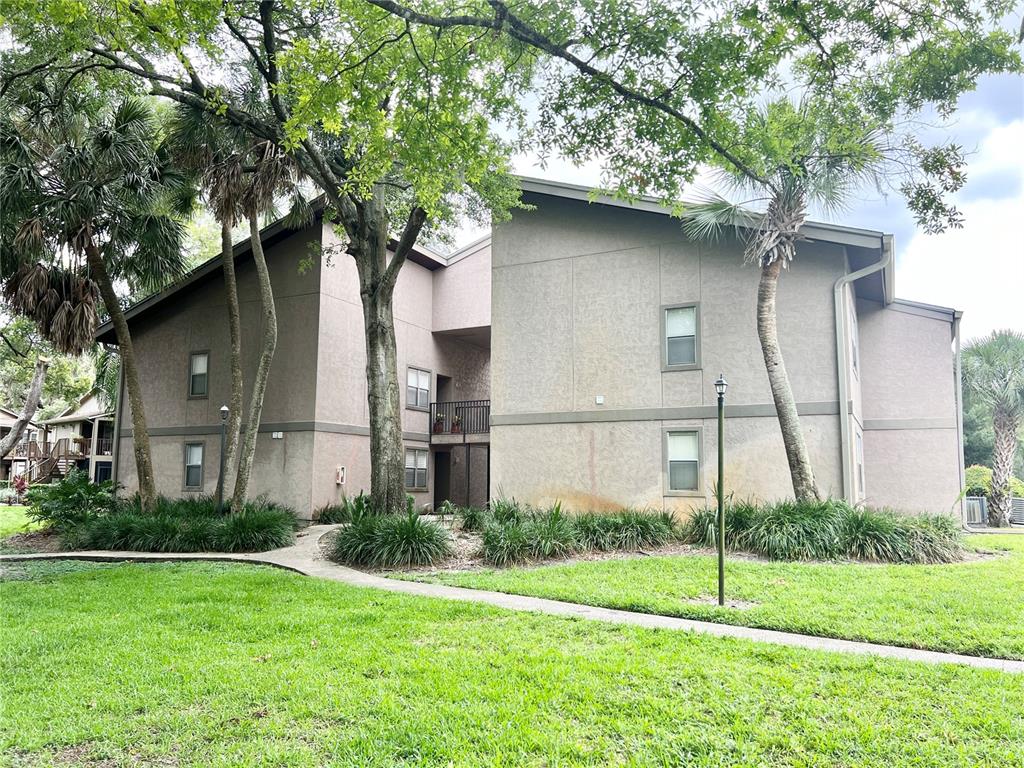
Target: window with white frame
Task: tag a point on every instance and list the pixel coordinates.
(417, 391)
(198, 379)
(681, 343)
(415, 468)
(683, 449)
(193, 465)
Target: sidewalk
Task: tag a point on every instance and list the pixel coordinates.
(304, 557)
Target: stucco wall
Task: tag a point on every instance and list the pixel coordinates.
(196, 320)
(912, 453)
(577, 298)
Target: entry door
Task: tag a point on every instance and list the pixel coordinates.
(442, 477)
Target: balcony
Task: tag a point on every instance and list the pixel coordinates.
(460, 421)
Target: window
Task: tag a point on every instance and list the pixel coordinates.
(858, 448)
(417, 393)
(193, 465)
(683, 461)
(198, 382)
(682, 347)
(415, 468)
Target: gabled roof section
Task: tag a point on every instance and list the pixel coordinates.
(78, 411)
(866, 240)
(272, 233)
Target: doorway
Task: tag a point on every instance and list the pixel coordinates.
(444, 389)
(442, 476)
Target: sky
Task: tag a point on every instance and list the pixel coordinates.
(978, 269)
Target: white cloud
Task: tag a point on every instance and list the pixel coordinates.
(980, 268)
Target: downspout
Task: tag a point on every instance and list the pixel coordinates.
(115, 459)
(841, 363)
(959, 390)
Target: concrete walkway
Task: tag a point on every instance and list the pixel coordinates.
(304, 557)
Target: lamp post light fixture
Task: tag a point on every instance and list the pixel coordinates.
(224, 411)
(720, 386)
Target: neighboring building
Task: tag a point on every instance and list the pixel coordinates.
(80, 437)
(606, 329)
(16, 460)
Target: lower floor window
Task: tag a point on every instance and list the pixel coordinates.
(415, 468)
(683, 461)
(193, 465)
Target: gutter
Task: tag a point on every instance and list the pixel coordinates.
(841, 362)
(959, 393)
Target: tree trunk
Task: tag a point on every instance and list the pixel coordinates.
(140, 434)
(376, 288)
(785, 405)
(234, 424)
(259, 384)
(1004, 425)
(35, 391)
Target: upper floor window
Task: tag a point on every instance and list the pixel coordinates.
(683, 448)
(681, 342)
(417, 393)
(193, 466)
(415, 468)
(198, 377)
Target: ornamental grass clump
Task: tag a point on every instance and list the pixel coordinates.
(550, 534)
(637, 529)
(505, 544)
(390, 541)
(472, 519)
(791, 530)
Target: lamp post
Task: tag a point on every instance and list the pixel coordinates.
(720, 386)
(224, 411)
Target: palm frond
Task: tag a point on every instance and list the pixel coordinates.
(711, 214)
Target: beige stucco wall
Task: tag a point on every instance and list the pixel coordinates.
(196, 320)
(912, 452)
(577, 299)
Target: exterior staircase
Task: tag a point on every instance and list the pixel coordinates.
(50, 462)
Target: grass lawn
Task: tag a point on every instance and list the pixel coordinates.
(14, 520)
(972, 607)
(218, 665)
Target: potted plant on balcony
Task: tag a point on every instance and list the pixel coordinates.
(438, 423)
(456, 423)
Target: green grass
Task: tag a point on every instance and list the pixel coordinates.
(13, 519)
(973, 607)
(216, 665)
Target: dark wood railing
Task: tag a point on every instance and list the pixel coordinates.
(466, 417)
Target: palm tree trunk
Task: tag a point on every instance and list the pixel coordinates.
(259, 384)
(234, 424)
(800, 469)
(1004, 425)
(35, 391)
(140, 433)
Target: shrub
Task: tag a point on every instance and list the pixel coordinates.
(636, 529)
(550, 534)
(184, 525)
(597, 532)
(505, 543)
(871, 534)
(472, 518)
(932, 539)
(978, 482)
(259, 526)
(391, 541)
(509, 511)
(702, 527)
(345, 511)
(70, 501)
(790, 530)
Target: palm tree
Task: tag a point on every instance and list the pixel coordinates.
(993, 371)
(242, 177)
(89, 197)
(804, 157)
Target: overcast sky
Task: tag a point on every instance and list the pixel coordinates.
(978, 269)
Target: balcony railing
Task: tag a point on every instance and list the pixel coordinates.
(460, 417)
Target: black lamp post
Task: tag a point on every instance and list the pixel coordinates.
(720, 386)
(224, 411)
